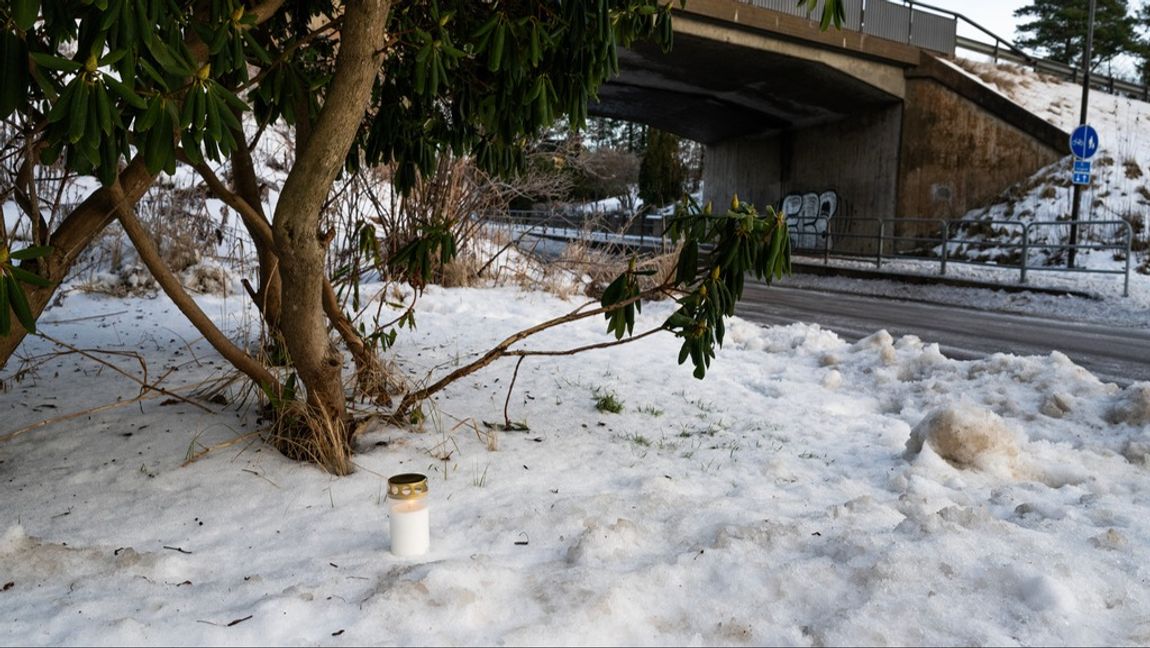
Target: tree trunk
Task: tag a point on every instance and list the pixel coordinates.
(371, 378)
(300, 245)
(268, 293)
(71, 238)
(150, 255)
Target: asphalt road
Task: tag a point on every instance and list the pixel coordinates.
(1120, 355)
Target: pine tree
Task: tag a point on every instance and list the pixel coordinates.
(1057, 29)
(1143, 47)
(661, 172)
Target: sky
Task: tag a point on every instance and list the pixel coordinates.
(995, 15)
(998, 18)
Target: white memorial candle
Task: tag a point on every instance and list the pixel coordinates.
(410, 529)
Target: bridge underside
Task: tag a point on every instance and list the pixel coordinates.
(710, 91)
(850, 128)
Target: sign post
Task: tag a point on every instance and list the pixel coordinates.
(1075, 207)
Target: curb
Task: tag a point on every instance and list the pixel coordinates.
(859, 273)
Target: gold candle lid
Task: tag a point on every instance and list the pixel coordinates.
(407, 486)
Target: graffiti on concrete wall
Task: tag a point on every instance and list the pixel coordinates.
(808, 218)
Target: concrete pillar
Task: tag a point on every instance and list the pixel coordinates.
(750, 167)
(858, 159)
(855, 158)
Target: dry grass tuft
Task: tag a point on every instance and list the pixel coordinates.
(461, 272)
(1133, 170)
(1005, 79)
(380, 382)
(305, 433)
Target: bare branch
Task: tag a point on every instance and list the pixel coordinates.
(150, 255)
(507, 402)
(503, 348)
(145, 386)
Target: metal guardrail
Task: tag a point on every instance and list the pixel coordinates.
(614, 230)
(949, 244)
(944, 247)
(1098, 81)
(936, 29)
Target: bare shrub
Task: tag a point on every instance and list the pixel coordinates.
(594, 265)
(186, 233)
(1133, 170)
(177, 217)
(606, 173)
(123, 281)
(1139, 237)
(207, 278)
(462, 271)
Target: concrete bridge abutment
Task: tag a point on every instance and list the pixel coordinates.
(856, 159)
(844, 124)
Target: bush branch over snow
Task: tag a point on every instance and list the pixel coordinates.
(127, 91)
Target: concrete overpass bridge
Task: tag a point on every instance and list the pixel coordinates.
(892, 129)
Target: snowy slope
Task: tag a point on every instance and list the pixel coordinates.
(1121, 184)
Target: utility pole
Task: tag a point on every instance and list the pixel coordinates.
(1076, 205)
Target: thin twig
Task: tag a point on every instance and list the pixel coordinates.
(83, 319)
(145, 386)
(507, 402)
(589, 347)
(92, 410)
(86, 412)
(218, 446)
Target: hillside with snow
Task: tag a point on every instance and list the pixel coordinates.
(1120, 190)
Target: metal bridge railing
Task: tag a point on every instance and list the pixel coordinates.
(1001, 244)
(615, 231)
(936, 29)
(903, 22)
(952, 241)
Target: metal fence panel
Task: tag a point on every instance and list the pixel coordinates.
(933, 32)
(854, 13)
(782, 6)
(887, 20)
(853, 10)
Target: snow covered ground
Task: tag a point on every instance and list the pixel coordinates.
(776, 502)
(808, 492)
